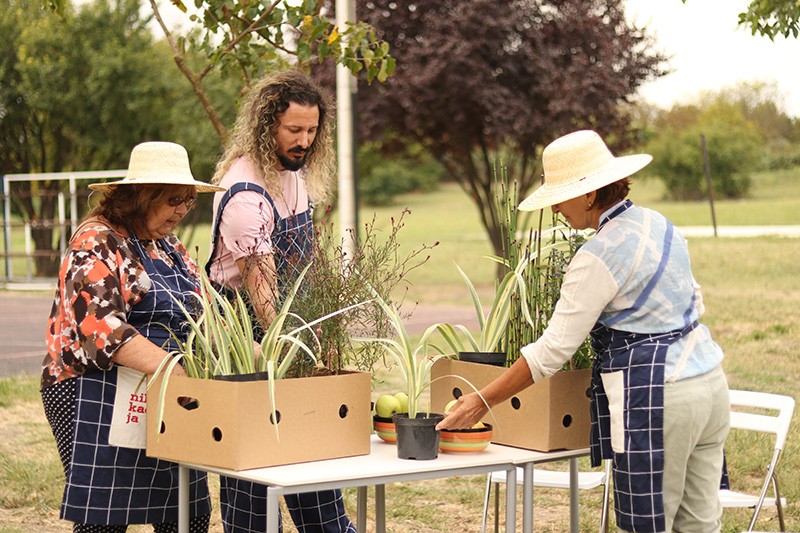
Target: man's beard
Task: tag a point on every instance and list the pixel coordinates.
(289, 163)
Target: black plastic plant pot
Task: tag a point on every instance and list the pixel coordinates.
(485, 358)
(253, 376)
(417, 438)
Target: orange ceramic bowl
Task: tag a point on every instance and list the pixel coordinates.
(465, 440)
(384, 428)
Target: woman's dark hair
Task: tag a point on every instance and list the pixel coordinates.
(126, 206)
(612, 193)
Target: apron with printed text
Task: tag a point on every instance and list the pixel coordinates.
(112, 485)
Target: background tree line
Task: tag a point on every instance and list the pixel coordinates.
(79, 90)
(477, 84)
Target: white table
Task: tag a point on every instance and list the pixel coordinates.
(382, 466)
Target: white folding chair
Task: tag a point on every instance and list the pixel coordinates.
(552, 479)
(777, 424)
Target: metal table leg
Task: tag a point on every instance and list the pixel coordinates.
(573, 496)
(511, 500)
(183, 499)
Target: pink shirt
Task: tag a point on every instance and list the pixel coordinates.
(248, 219)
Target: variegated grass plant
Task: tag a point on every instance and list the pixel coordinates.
(221, 342)
(413, 359)
(493, 324)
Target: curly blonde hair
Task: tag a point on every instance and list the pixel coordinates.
(254, 133)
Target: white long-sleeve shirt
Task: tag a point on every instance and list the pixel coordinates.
(604, 280)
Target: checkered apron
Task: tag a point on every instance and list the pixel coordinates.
(639, 359)
(114, 486)
(244, 504)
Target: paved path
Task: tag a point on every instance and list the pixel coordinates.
(23, 313)
(23, 321)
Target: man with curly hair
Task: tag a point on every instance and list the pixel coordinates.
(278, 162)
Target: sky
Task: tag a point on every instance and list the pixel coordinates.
(710, 52)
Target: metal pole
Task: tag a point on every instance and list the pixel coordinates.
(344, 139)
(62, 224)
(710, 188)
(7, 226)
(73, 205)
(28, 250)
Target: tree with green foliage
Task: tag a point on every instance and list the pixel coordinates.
(486, 82)
(746, 129)
(77, 92)
(771, 17)
(242, 38)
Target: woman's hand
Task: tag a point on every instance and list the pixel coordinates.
(468, 410)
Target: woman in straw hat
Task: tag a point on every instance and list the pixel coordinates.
(660, 405)
(115, 313)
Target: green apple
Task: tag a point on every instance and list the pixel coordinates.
(449, 406)
(403, 398)
(386, 406)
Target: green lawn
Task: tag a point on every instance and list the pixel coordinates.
(751, 291)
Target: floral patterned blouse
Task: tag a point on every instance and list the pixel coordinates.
(100, 280)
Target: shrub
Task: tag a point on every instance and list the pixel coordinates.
(734, 152)
(382, 178)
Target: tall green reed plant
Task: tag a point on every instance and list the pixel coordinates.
(545, 252)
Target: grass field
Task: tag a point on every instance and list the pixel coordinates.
(751, 291)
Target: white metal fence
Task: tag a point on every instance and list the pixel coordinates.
(18, 252)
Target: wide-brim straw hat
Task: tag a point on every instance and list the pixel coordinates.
(579, 163)
(158, 163)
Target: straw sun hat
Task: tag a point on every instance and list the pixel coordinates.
(158, 163)
(576, 164)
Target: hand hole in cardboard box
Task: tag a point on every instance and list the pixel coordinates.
(343, 411)
(276, 420)
(566, 421)
(216, 434)
(515, 403)
(457, 393)
(190, 404)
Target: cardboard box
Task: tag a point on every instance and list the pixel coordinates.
(552, 414)
(319, 418)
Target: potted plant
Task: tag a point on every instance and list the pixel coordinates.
(311, 335)
(416, 433)
(224, 427)
(371, 264)
(483, 346)
(553, 413)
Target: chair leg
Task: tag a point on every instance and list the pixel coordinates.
(606, 495)
(497, 507)
(486, 501)
(778, 501)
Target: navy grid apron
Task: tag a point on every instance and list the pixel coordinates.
(640, 357)
(244, 504)
(114, 486)
(292, 237)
